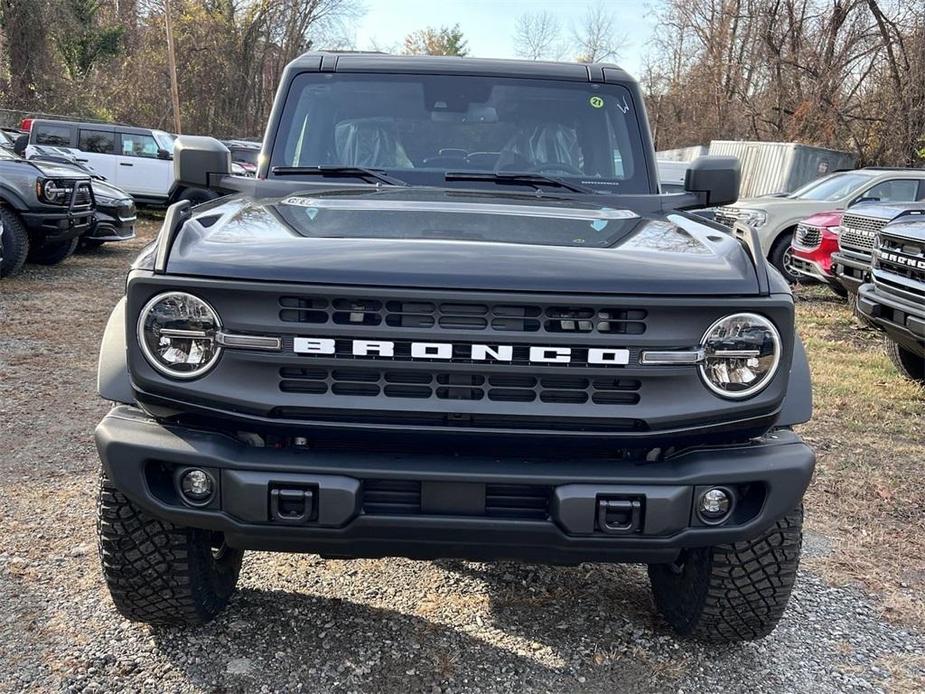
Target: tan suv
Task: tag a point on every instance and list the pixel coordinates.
(775, 218)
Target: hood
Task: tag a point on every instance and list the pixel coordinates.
(103, 190)
(428, 238)
(884, 210)
(54, 170)
(829, 218)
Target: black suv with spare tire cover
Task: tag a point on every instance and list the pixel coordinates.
(45, 207)
(454, 316)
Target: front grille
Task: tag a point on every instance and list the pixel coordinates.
(413, 384)
(84, 195)
(910, 250)
(726, 216)
(403, 497)
(857, 233)
(435, 315)
(808, 236)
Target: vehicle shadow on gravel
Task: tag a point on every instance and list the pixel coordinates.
(282, 639)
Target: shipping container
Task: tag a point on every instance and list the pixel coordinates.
(682, 153)
(780, 167)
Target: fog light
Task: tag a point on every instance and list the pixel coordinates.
(715, 504)
(197, 485)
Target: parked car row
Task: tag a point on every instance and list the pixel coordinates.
(862, 233)
(67, 184)
(874, 254)
(49, 206)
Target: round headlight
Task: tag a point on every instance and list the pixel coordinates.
(177, 334)
(741, 354)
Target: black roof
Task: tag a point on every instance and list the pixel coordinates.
(97, 125)
(334, 61)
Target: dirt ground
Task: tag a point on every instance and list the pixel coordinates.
(856, 620)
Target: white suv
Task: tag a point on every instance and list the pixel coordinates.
(775, 218)
(138, 160)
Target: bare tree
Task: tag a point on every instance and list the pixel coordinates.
(596, 37)
(536, 36)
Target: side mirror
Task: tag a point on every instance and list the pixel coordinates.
(198, 161)
(20, 144)
(713, 179)
(164, 154)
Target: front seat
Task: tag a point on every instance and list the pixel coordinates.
(369, 142)
(544, 143)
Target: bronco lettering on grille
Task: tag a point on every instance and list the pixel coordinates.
(599, 356)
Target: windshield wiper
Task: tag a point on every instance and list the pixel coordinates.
(334, 171)
(525, 177)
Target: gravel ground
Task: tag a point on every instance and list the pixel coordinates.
(301, 623)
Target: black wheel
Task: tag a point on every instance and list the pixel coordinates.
(781, 256)
(908, 363)
(158, 572)
(15, 243)
(197, 196)
(54, 252)
(731, 593)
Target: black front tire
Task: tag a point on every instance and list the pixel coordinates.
(731, 593)
(780, 256)
(158, 572)
(54, 252)
(908, 363)
(15, 243)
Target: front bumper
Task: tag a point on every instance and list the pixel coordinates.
(368, 504)
(902, 321)
(116, 223)
(54, 226)
(850, 270)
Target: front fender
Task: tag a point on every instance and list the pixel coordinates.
(112, 379)
(797, 407)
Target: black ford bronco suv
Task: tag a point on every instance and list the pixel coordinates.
(894, 299)
(454, 316)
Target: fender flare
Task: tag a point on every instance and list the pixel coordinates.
(112, 379)
(10, 197)
(797, 407)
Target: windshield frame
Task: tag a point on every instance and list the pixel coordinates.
(642, 181)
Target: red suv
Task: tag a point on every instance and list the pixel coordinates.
(814, 242)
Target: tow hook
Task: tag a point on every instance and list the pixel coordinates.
(291, 506)
(619, 516)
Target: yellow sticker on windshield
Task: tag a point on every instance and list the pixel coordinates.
(596, 101)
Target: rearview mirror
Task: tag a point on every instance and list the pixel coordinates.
(713, 179)
(200, 161)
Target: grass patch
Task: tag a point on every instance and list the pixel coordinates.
(868, 430)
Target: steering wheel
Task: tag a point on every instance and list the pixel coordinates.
(553, 166)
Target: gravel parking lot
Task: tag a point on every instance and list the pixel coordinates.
(304, 623)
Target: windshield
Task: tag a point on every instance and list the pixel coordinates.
(419, 127)
(164, 140)
(834, 187)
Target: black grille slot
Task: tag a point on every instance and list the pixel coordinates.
(517, 501)
(460, 386)
(477, 317)
(391, 497)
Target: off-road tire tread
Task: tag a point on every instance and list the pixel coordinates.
(735, 592)
(157, 572)
(910, 365)
(14, 256)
